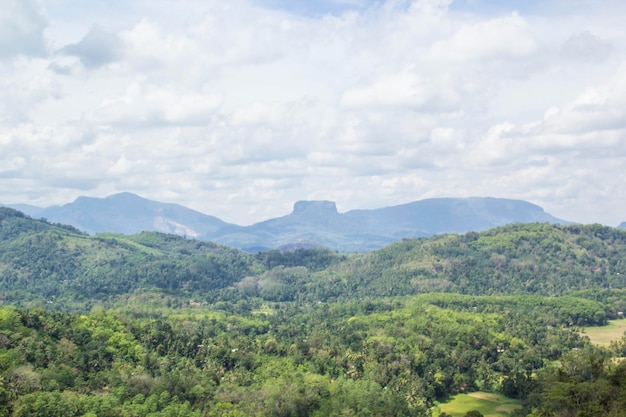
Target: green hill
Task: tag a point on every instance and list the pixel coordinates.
(519, 259)
(43, 263)
(309, 332)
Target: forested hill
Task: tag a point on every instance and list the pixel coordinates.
(309, 332)
(516, 259)
(57, 266)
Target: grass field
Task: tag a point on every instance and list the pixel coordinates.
(490, 405)
(604, 335)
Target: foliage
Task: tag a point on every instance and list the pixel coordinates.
(44, 264)
(155, 324)
(48, 265)
(385, 358)
(518, 259)
(583, 383)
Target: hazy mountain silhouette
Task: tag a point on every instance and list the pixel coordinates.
(128, 213)
(311, 223)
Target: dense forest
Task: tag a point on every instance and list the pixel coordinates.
(160, 325)
(44, 264)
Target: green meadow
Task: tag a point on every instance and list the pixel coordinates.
(604, 335)
(489, 404)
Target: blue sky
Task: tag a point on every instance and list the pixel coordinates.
(240, 108)
(335, 7)
(316, 8)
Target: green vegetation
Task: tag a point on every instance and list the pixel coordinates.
(488, 404)
(582, 383)
(387, 358)
(159, 325)
(605, 335)
(49, 265)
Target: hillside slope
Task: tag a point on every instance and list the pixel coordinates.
(42, 263)
(519, 259)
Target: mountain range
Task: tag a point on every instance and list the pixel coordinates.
(310, 224)
(157, 319)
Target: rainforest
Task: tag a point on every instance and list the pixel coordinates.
(159, 325)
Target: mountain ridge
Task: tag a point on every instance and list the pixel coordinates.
(116, 323)
(311, 222)
(44, 262)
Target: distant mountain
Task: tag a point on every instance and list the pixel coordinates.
(313, 223)
(361, 230)
(622, 225)
(32, 211)
(128, 214)
(310, 224)
(45, 263)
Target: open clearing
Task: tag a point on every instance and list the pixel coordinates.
(604, 335)
(490, 405)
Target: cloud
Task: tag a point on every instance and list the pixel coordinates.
(568, 160)
(97, 48)
(591, 127)
(48, 157)
(148, 105)
(316, 8)
(585, 47)
(22, 26)
(238, 109)
(405, 90)
(598, 109)
(505, 38)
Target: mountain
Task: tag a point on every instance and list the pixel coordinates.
(310, 224)
(43, 263)
(33, 211)
(128, 214)
(314, 223)
(197, 326)
(622, 225)
(319, 222)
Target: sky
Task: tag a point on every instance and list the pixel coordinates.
(240, 108)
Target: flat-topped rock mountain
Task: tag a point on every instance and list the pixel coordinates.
(315, 207)
(311, 223)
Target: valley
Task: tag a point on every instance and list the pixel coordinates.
(157, 324)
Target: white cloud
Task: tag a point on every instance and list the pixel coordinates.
(499, 39)
(406, 90)
(150, 105)
(238, 110)
(22, 25)
(97, 48)
(584, 46)
(598, 108)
